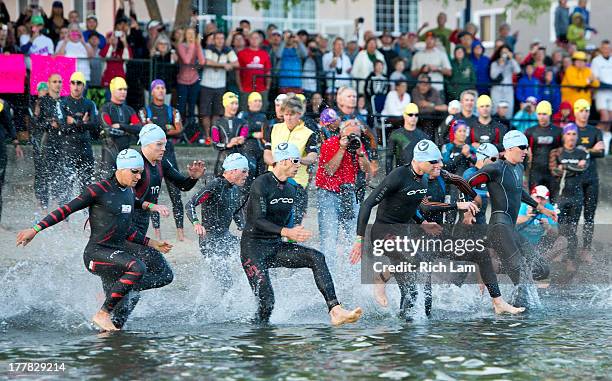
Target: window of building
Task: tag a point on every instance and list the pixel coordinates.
(488, 22)
(396, 15)
(299, 16)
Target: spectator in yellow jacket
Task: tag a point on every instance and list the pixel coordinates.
(580, 76)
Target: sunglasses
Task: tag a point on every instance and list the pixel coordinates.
(136, 171)
(76, 83)
(434, 162)
(492, 158)
(523, 147)
(415, 115)
(294, 161)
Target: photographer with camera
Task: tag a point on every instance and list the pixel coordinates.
(341, 158)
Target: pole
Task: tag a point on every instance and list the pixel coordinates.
(468, 12)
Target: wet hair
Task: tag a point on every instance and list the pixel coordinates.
(293, 104)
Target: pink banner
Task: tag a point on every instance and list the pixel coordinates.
(44, 66)
(12, 73)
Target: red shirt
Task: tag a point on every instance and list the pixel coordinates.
(253, 62)
(346, 172)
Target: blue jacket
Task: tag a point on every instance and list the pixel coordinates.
(527, 87)
(481, 67)
(291, 65)
(551, 94)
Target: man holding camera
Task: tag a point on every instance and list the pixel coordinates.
(341, 158)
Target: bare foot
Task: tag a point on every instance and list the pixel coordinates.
(502, 307)
(585, 256)
(157, 234)
(180, 234)
(380, 294)
(341, 316)
(103, 320)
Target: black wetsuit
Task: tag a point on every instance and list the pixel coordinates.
(444, 134)
(505, 185)
(38, 137)
(587, 138)
(166, 117)
(398, 197)
(107, 253)
(400, 146)
(7, 129)
(223, 130)
(488, 133)
(77, 140)
(571, 196)
(541, 141)
(221, 203)
(253, 148)
(115, 140)
(269, 209)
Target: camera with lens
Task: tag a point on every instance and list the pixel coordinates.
(354, 143)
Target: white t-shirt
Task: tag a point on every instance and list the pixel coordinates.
(77, 50)
(602, 68)
(213, 77)
(395, 106)
(41, 45)
(434, 57)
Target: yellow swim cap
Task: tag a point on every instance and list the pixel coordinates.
(301, 97)
(77, 76)
(483, 100)
(411, 108)
(544, 107)
(117, 83)
(254, 96)
(581, 104)
(228, 98)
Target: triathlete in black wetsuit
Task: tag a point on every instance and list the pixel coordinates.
(504, 179)
(402, 141)
(7, 129)
(81, 123)
(542, 139)
(228, 133)
(269, 212)
(398, 197)
(486, 129)
(254, 144)
(221, 202)
(568, 165)
(590, 139)
(117, 122)
(111, 203)
(169, 120)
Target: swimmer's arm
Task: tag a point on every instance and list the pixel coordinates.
(485, 175)
(84, 200)
(461, 184)
(257, 208)
(137, 237)
(134, 126)
(526, 198)
(179, 180)
(427, 206)
(597, 153)
(199, 198)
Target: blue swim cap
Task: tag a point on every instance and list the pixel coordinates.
(426, 150)
(150, 133)
(514, 138)
(129, 159)
(235, 161)
(286, 151)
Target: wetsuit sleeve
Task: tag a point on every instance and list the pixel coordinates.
(220, 144)
(390, 154)
(526, 198)
(205, 193)
(311, 144)
(84, 200)
(485, 175)
(181, 181)
(137, 237)
(135, 124)
(552, 162)
(92, 124)
(239, 217)
(597, 153)
(458, 181)
(257, 208)
(389, 185)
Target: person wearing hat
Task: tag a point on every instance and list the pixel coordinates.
(501, 114)
(542, 138)
(486, 130)
(268, 241)
(526, 117)
(221, 60)
(576, 31)
(486, 153)
(329, 122)
(222, 202)
(432, 61)
(81, 122)
(458, 156)
(590, 139)
(110, 204)
(578, 80)
(568, 165)
(38, 43)
(388, 51)
(169, 120)
(91, 25)
(254, 143)
(278, 113)
(117, 122)
(228, 133)
(504, 180)
(441, 32)
(398, 197)
(402, 141)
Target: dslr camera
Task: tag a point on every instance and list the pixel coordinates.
(354, 142)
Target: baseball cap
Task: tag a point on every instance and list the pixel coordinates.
(582, 104)
(235, 161)
(280, 98)
(92, 16)
(483, 100)
(153, 24)
(411, 108)
(531, 99)
(328, 116)
(544, 107)
(569, 128)
(426, 150)
(540, 191)
(503, 104)
(150, 133)
(37, 20)
(77, 76)
(286, 151)
(128, 159)
(117, 83)
(486, 151)
(578, 55)
(514, 138)
(276, 31)
(228, 98)
(57, 4)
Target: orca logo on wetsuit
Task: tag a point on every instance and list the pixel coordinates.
(126, 208)
(422, 145)
(282, 199)
(421, 191)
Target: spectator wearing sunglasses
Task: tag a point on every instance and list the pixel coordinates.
(402, 141)
(486, 153)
